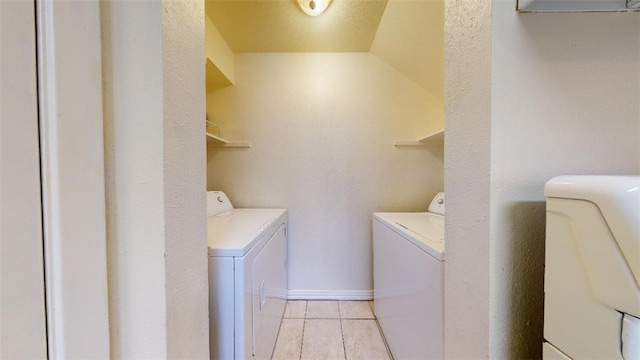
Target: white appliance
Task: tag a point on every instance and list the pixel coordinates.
(592, 268)
(247, 278)
(408, 265)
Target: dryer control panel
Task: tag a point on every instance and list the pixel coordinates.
(437, 204)
(217, 202)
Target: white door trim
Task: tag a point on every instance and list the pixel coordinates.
(72, 162)
(22, 306)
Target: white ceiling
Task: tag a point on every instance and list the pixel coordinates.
(406, 34)
(281, 26)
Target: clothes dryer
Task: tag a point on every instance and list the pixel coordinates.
(247, 251)
(592, 268)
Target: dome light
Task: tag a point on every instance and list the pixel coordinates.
(314, 7)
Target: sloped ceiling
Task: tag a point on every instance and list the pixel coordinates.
(410, 39)
(407, 34)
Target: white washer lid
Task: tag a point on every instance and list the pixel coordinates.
(425, 230)
(617, 198)
(235, 232)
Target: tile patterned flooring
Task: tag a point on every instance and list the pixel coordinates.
(330, 330)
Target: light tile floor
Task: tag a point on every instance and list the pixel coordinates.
(329, 330)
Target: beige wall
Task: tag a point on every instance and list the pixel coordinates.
(154, 104)
(542, 95)
(322, 127)
(565, 100)
(467, 177)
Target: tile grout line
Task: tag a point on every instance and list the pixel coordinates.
(384, 339)
(277, 336)
(304, 324)
(344, 347)
(341, 319)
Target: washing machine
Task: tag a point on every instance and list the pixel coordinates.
(592, 268)
(408, 273)
(247, 251)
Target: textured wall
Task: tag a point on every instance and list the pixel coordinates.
(155, 168)
(550, 94)
(133, 167)
(467, 169)
(322, 128)
(565, 100)
(183, 82)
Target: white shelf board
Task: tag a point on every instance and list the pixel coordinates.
(433, 139)
(216, 140)
(564, 6)
(215, 77)
(220, 142)
(238, 144)
(408, 143)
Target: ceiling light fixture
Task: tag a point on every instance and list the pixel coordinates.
(314, 7)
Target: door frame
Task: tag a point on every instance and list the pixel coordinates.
(22, 305)
(72, 171)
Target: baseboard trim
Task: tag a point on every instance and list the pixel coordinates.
(330, 294)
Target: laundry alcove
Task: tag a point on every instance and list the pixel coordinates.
(321, 101)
